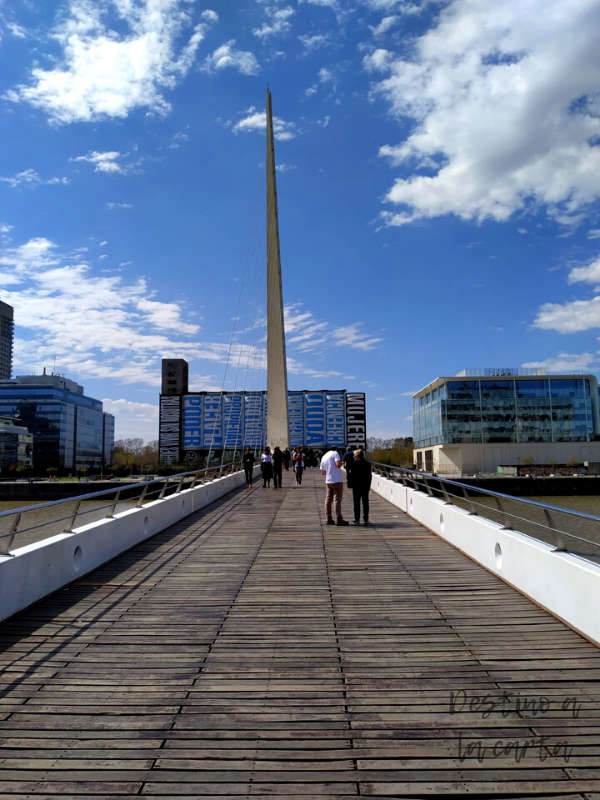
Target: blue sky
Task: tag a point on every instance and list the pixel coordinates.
(439, 177)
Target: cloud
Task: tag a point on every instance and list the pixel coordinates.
(210, 16)
(285, 167)
(226, 57)
(325, 77)
(577, 315)
(316, 41)
(102, 73)
(305, 333)
(257, 121)
(564, 362)
(595, 234)
(30, 179)
(103, 244)
(587, 274)
(118, 206)
(105, 162)
(278, 22)
(178, 138)
(133, 419)
(16, 30)
(503, 99)
(386, 24)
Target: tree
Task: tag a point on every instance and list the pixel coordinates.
(130, 453)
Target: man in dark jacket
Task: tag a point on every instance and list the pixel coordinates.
(360, 482)
(277, 467)
(248, 462)
(287, 457)
(348, 463)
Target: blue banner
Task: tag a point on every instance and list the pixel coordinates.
(233, 408)
(192, 422)
(212, 422)
(254, 424)
(315, 419)
(336, 419)
(296, 418)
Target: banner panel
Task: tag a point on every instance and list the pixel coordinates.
(356, 421)
(254, 420)
(296, 418)
(169, 430)
(212, 422)
(233, 410)
(336, 419)
(315, 429)
(192, 422)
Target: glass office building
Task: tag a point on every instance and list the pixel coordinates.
(505, 409)
(70, 430)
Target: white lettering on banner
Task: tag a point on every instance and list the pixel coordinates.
(254, 420)
(356, 420)
(336, 423)
(192, 422)
(212, 423)
(169, 430)
(233, 411)
(315, 419)
(296, 418)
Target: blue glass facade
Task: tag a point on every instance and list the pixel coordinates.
(506, 410)
(69, 429)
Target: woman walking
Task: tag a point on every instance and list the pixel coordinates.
(266, 465)
(299, 465)
(248, 462)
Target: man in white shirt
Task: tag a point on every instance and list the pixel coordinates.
(331, 464)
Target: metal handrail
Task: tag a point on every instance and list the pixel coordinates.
(464, 492)
(140, 492)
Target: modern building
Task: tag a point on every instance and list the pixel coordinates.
(194, 423)
(6, 339)
(70, 430)
(496, 420)
(16, 446)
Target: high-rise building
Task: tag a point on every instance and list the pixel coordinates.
(6, 339)
(70, 430)
(486, 419)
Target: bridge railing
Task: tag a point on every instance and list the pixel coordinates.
(63, 516)
(567, 530)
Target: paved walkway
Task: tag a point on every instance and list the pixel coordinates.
(251, 651)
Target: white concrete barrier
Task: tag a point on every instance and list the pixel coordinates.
(565, 585)
(33, 572)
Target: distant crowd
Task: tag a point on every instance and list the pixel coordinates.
(331, 463)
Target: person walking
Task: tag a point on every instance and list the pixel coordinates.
(277, 467)
(299, 465)
(331, 467)
(348, 463)
(287, 457)
(266, 465)
(361, 486)
(248, 462)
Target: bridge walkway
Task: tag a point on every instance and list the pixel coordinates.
(251, 651)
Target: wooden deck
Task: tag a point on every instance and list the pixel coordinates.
(251, 651)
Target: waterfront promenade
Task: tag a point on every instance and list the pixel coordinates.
(252, 651)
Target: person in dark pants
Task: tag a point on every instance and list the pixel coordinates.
(299, 464)
(277, 467)
(348, 463)
(266, 465)
(248, 462)
(360, 480)
(287, 457)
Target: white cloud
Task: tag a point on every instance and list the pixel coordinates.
(278, 22)
(285, 167)
(305, 333)
(117, 206)
(587, 274)
(103, 244)
(105, 162)
(315, 41)
(326, 76)
(227, 57)
(353, 336)
(16, 30)
(594, 234)
(386, 24)
(133, 419)
(378, 61)
(210, 16)
(564, 362)
(104, 73)
(257, 121)
(31, 180)
(502, 99)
